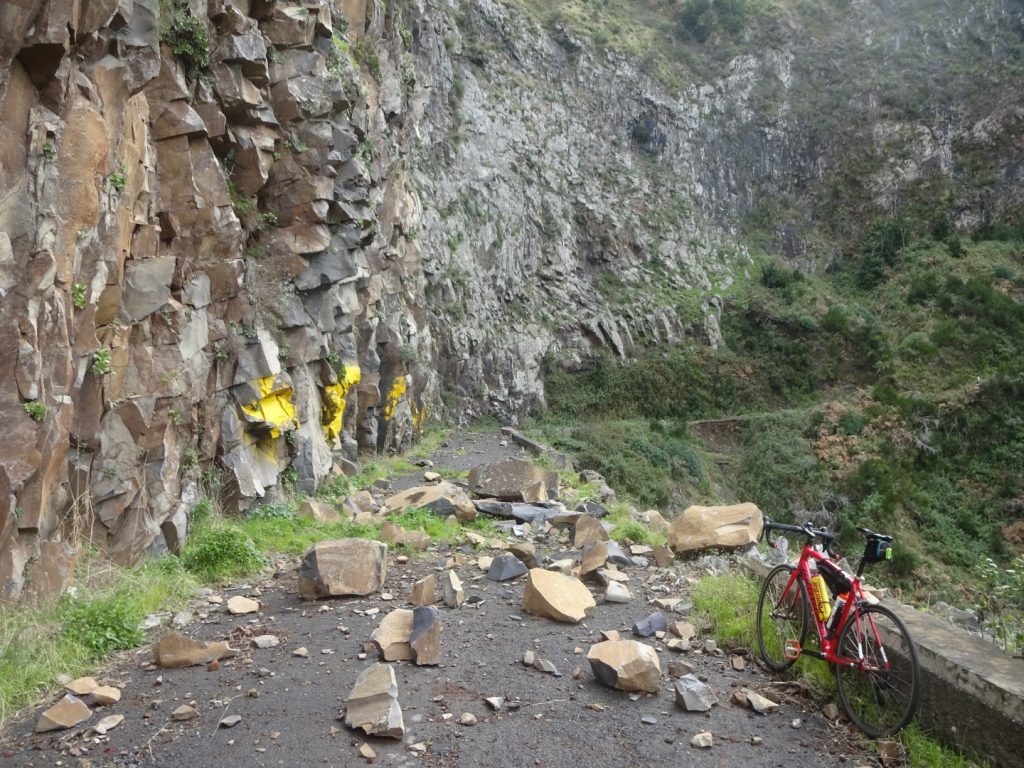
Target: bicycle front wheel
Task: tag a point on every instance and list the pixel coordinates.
(879, 686)
(781, 617)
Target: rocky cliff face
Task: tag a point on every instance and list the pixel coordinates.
(241, 240)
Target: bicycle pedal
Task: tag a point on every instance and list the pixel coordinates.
(792, 650)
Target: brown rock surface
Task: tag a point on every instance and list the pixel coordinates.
(343, 567)
(239, 605)
(451, 585)
(595, 555)
(626, 664)
(106, 695)
(737, 525)
(555, 596)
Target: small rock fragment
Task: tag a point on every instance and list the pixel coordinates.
(467, 718)
(452, 587)
(424, 591)
(66, 713)
(392, 636)
(373, 703)
(588, 530)
(684, 630)
(678, 668)
(230, 721)
(425, 635)
(506, 567)
(647, 626)
(626, 664)
(367, 751)
(703, 740)
(239, 605)
(185, 712)
(302, 652)
(617, 593)
(760, 704)
(525, 552)
(174, 651)
(108, 723)
(266, 641)
(495, 702)
(106, 695)
(83, 686)
(694, 695)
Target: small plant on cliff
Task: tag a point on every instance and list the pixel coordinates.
(365, 55)
(78, 295)
(101, 362)
(186, 35)
(117, 180)
(36, 410)
(49, 150)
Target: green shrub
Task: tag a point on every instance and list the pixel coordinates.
(101, 362)
(186, 34)
(36, 410)
(103, 624)
(218, 551)
(851, 422)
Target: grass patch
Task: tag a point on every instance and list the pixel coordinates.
(637, 533)
(69, 636)
(727, 604)
(220, 550)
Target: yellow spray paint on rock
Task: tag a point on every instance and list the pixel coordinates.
(419, 418)
(334, 401)
(397, 390)
(274, 407)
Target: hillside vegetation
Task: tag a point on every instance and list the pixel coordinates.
(886, 394)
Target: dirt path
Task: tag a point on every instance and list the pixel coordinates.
(289, 705)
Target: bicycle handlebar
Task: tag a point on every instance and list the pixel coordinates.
(807, 530)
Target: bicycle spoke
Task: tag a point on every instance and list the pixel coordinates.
(880, 691)
(781, 617)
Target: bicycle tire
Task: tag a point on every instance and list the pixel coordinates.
(780, 617)
(880, 701)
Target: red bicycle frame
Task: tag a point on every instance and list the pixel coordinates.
(827, 637)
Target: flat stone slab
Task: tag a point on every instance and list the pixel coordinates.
(66, 713)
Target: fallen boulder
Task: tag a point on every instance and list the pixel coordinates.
(343, 567)
(650, 625)
(393, 534)
(317, 510)
(626, 664)
(696, 528)
(440, 498)
(554, 596)
(513, 480)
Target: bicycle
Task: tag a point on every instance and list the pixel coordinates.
(867, 645)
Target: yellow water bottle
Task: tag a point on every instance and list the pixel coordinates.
(819, 593)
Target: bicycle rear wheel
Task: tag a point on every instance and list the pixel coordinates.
(781, 616)
(880, 693)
